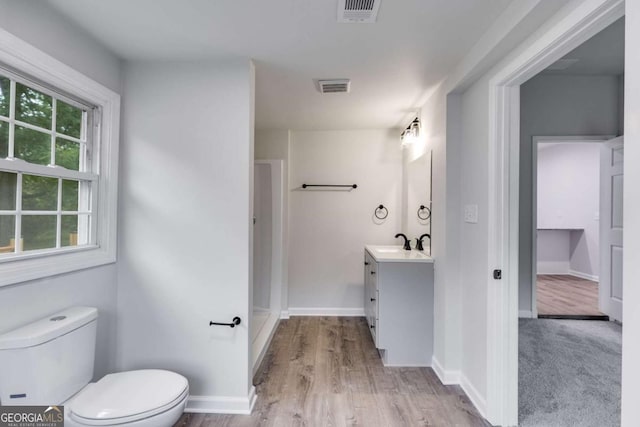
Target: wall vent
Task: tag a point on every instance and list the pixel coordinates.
(334, 86)
(358, 11)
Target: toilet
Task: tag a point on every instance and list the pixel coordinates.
(50, 362)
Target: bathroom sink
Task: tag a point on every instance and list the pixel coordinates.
(396, 254)
(389, 250)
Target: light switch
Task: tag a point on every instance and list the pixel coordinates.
(596, 217)
(471, 214)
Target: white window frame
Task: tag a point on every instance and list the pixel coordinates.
(30, 61)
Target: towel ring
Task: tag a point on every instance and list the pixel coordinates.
(381, 209)
(424, 208)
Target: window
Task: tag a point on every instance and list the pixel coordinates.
(45, 169)
(58, 166)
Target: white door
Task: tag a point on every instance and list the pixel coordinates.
(611, 186)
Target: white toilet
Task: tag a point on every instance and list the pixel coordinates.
(50, 362)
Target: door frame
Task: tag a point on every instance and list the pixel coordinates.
(535, 141)
(565, 34)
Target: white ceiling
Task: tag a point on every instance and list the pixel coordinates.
(602, 54)
(391, 63)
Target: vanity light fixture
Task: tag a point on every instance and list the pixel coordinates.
(411, 134)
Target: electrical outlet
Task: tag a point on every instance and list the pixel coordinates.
(471, 214)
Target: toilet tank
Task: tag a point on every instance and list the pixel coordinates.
(48, 361)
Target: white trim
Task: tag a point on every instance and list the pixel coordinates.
(474, 395)
(526, 314)
(585, 20)
(582, 275)
(445, 377)
(284, 314)
(222, 404)
(21, 56)
(327, 311)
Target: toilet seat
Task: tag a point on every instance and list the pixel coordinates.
(127, 397)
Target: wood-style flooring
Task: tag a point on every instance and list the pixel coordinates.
(567, 295)
(325, 371)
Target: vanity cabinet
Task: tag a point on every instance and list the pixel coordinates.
(398, 305)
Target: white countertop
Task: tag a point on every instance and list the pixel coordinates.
(396, 254)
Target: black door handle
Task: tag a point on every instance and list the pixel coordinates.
(373, 299)
(373, 272)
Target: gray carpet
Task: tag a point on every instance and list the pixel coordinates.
(569, 373)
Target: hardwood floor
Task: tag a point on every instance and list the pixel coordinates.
(567, 295)
(325, 371)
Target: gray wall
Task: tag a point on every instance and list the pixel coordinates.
(185, 224)
(46, 29)
(559, 105)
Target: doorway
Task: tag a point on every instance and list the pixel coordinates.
(566, 206)
(504, 195)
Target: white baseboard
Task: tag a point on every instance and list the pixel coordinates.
(222, 404)
(584, 275)
(476, 398)
(445, 377)
(326, 311)
(284, 314)
(262, 343)
(527, 314)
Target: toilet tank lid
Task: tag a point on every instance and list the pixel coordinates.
(48, 328)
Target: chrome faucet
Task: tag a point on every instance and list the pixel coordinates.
(419, 241)
(407, 246)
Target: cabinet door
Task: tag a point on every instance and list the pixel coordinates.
(367, 286)
(373, 300)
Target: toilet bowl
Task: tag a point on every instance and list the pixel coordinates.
(50, 362)
(144, 398)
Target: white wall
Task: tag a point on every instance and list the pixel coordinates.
(554, 252)
(568, 187)
(558, 105)
(631, 275)
(40, 25)
(328, 229)
(45, 28)
(273, 144)
(185, 229)
(474, 237)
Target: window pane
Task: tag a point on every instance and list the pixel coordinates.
(33, 107)
(39, 231)
(67, 154)
(69, 235)
(69, 195)
(4, 139)
(7, 192)
(5, 96)
(32, 146)
(68, 119)
(7, 233)
(39, 193)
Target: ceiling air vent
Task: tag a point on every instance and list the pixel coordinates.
(358, 11)
(334, 86)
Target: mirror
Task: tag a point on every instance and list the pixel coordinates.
(417, 203)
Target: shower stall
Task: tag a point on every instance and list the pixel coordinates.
(268, 259)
